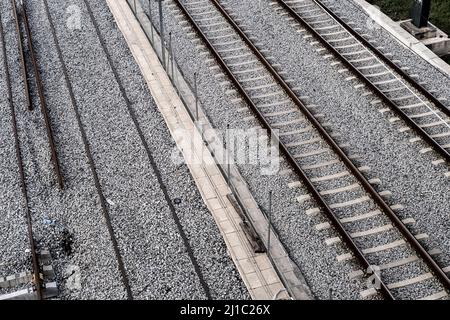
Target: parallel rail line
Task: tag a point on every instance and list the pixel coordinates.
(42, 99)
(227, 44)
(151, 158)
(334, 34)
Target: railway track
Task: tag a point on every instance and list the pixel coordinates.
(37, 281)
(105, 208)
(401, 92)
(336, 187)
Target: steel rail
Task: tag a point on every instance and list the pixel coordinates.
(444, 153)
(310, 186)
(386, 60)
(22, 57)
(43, 102)
(23, 186)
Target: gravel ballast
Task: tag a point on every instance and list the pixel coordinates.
(156, 260)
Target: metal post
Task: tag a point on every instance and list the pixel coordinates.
(161, 26)
(196, 95)
(228, 154)
(269, 218)
(151, 20)
(135, 11)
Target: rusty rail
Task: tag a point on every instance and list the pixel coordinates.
(34, 258)
(441, 150)
(22, 57)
